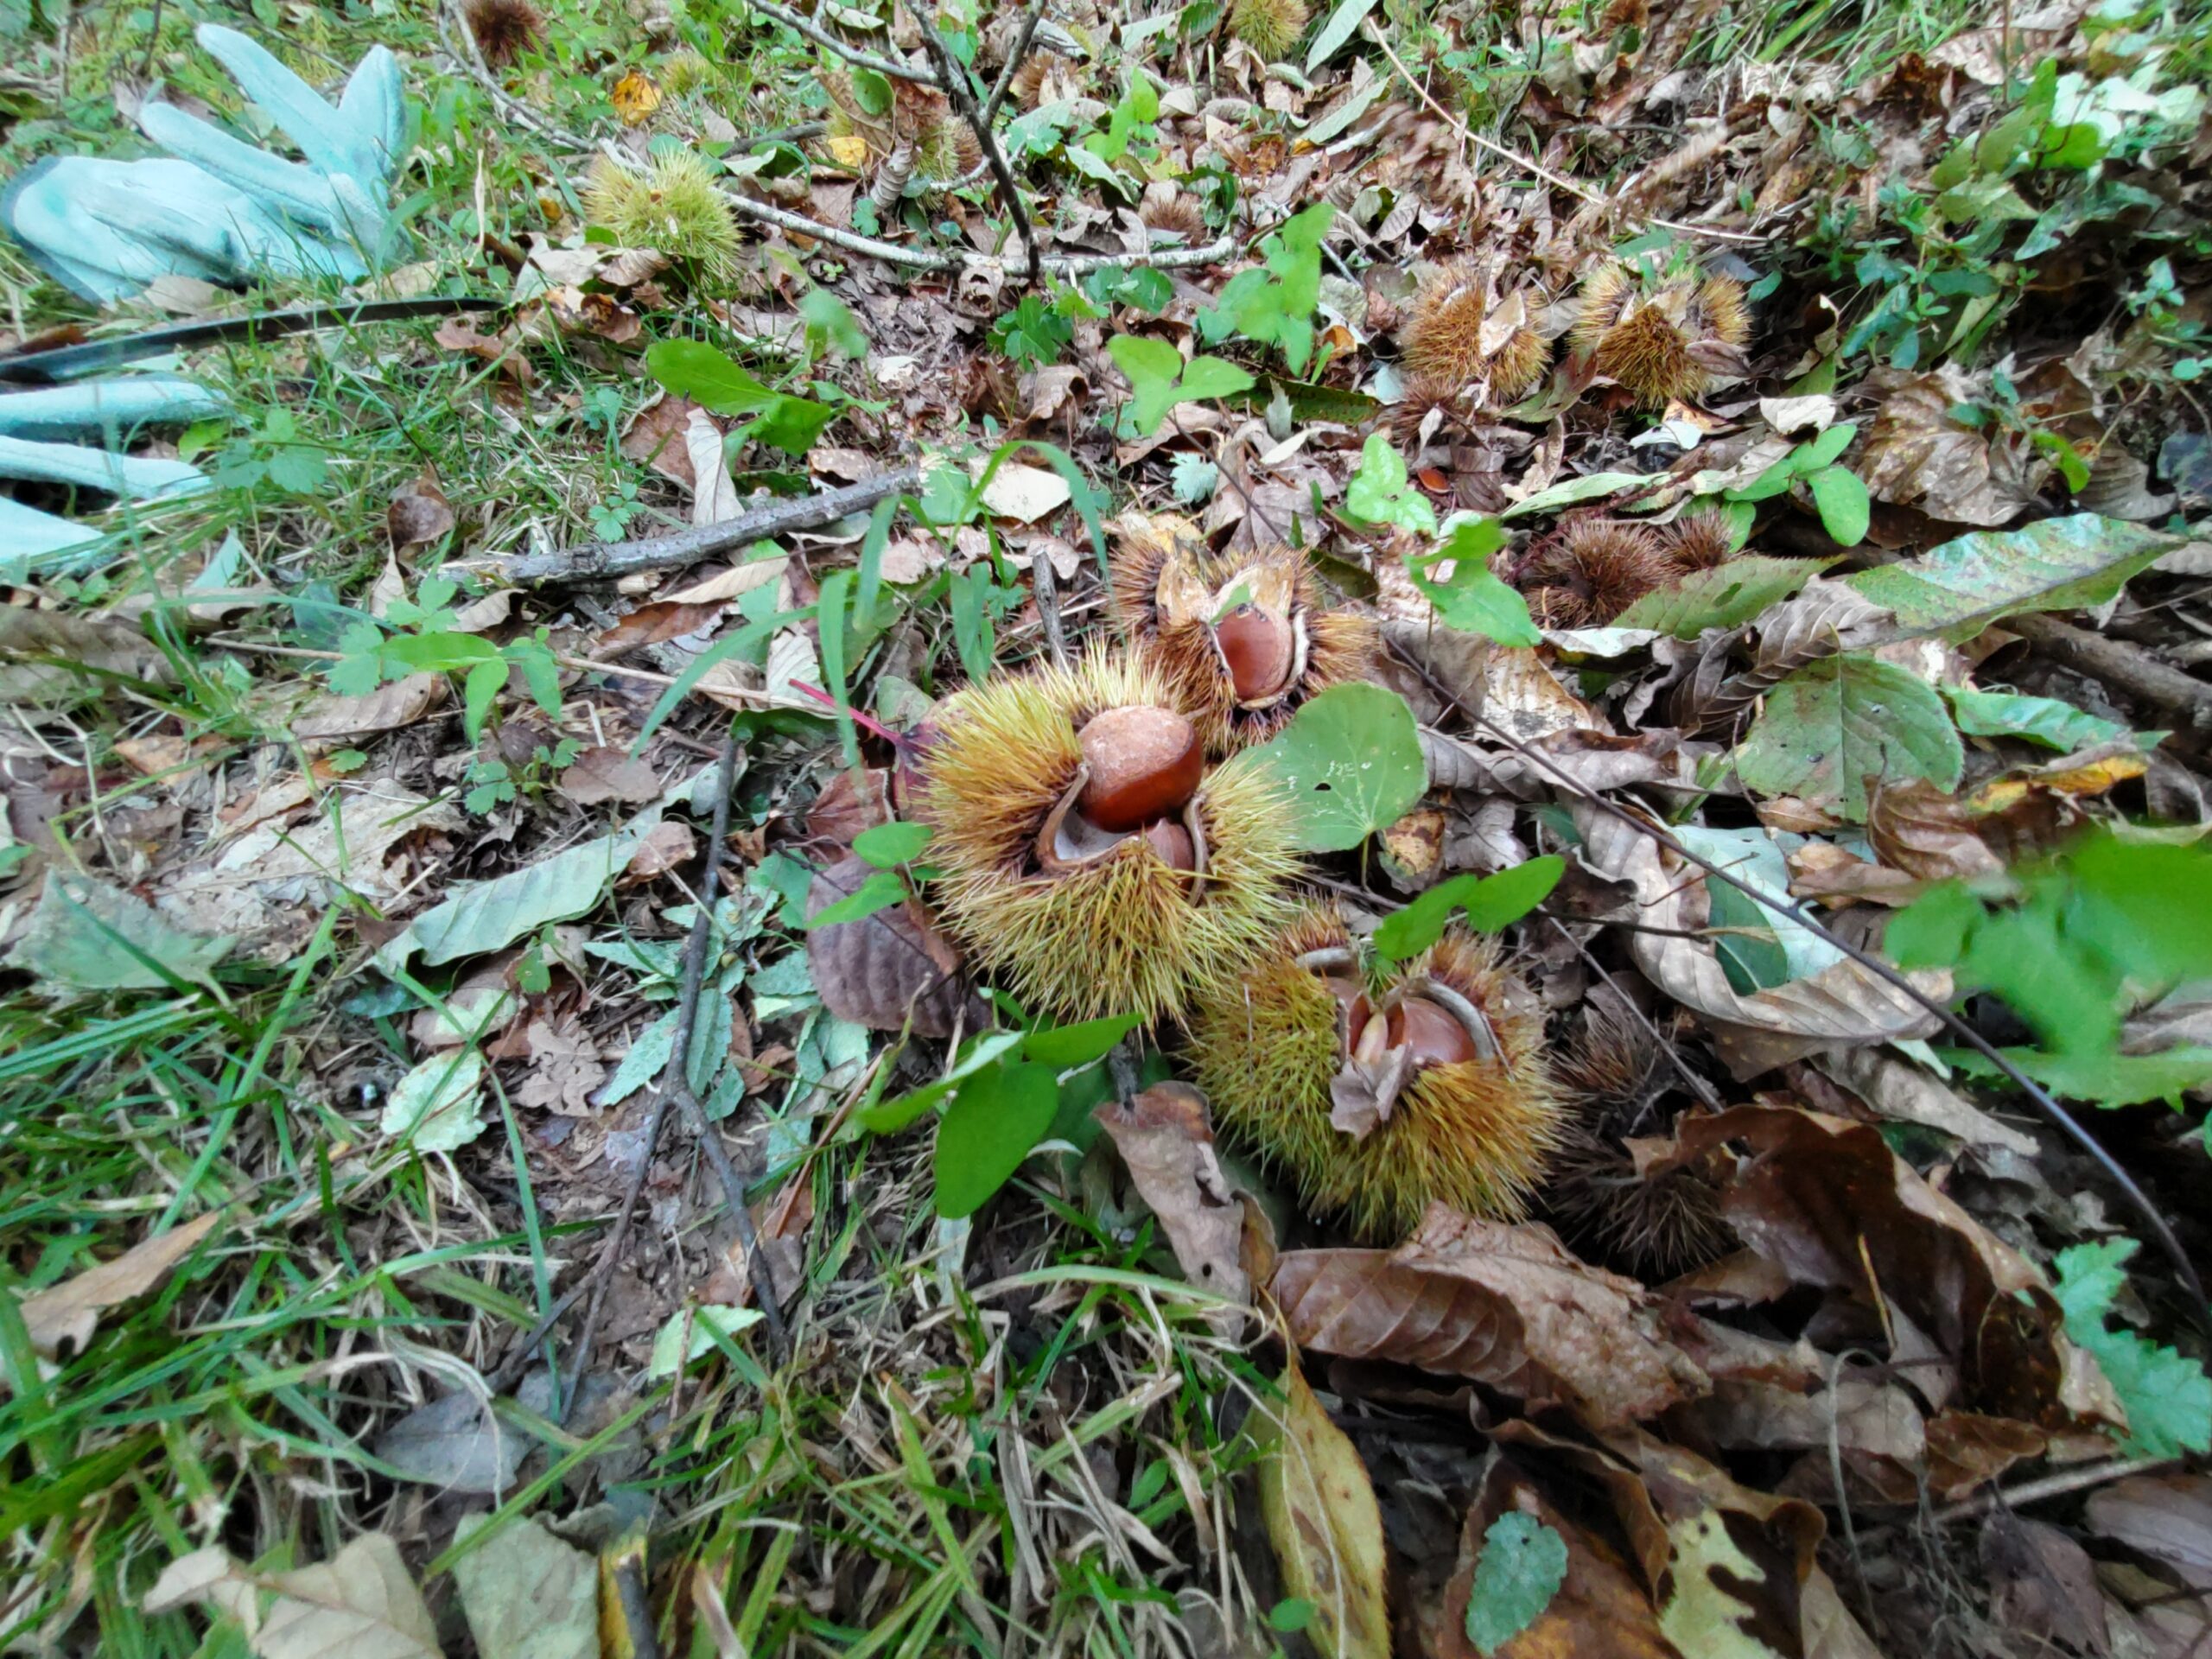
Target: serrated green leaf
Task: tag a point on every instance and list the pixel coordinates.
(2057, 564)
(2167, 1395)
(1522, 1564)
(2047, 721)
(1726, 596)
(1381, 493)
(995, 1117)
(1350, 763)
(1847, 722)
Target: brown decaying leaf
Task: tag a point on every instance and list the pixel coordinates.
(565, 1069)
(1843, 1004)
(1505, 1304)
(845, 807)
(2167, 1517)
(1916, 454)
(666, 846)
(1831, 1204)
(70, 1313)
(419, 514)
(608, 773)
(874, 970)
(1823, 618)
(2042, 1584)
(1895, 1088)
(654, 624)
(1165, 1141)
(52, 656)
(655, 436)
(394, 705)
(1319, 1510)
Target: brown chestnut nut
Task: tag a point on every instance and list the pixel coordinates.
(1258, 650)
(1430, 1033)
(1171, 842)
(1145, 764)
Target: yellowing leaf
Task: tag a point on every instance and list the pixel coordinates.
(1322, 1518)
(848, 149)
(635, 97)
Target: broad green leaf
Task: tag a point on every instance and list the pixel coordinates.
(1475, 600)
(2100, 1078)
(1492, 903)
(1351, 764)
(830, 322)
(1846, 512)
(87, 935)
(892, 1115)
(479, 692)
(995, 1117)
(2054, 724)
(883, 889)
(1826, 450)
(1753, 858)
(885, 845)
(2057, 564)
(1065, 1047)
(1212, 377)
(691, 369)
(973, 636)
(1846, 723)
(487, 916)
(438, 1105)
(435, 653)
(1522, 1565)
(2167, 1395)
(1726, 596)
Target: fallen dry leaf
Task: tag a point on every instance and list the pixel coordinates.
(653, 624)
(419, 514)
(66, 1315)
(1829, 1201)
(1166, 1143)
(667, 846)
(2042, 1584)
(2167, 1517)
(1505, 1304)
(56, 656)
(565, 1070)
(1319, 1508)
(655, 437)
(391, 706)
(361, 1604)
(883, 970)
(714, 495)
(606, 773)
(1916, 454)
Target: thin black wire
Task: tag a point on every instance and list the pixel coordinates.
(2137, 1200)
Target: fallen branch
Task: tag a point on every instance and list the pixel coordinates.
(607, 560)
(1015, 54)
(852, 55)
(956, 88)
(2117, 662)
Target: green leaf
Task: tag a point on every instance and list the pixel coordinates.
(973, 635)
(2047, 721)
(437, 653)
(994, 1120)
(829, 321)
(2057, 564)
(830, 607)
(692, 369)
(885, 845)
(883, 889)
(1351, 764)
(2168, 1397)
(1160, 379)
(2101, 1077)
(1380, 492)
(479, 692)
(1846, 511)
(1826, 450)
(1474, 600)
(1065, 1047)
(1726, 596)
(984, 1052)
(1212, 377)
(1492, 903)
(1522, 1565)
(438, 1105)
(1586, 488)
(87, 935)
(486, 916)
(1334, 32)
(1831, 730)
(690, 1332)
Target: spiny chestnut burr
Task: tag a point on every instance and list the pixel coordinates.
(1663, 338)
(1376, 1091)
(1087, 861)
(1244, 637)
(1590, 570)
(1143, 763)
(1459, 334)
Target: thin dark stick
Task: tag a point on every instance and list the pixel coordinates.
(2137, 1200)
(2117, 664)
(1044, 583)
(958, 88)
(1698, 1085)
(1013, 57)
(66, 362)
(605, 561)
(852, 54)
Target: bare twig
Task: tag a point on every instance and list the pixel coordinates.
(1529, 164)
(1044, 583)
(957, 88)
(607, 560)
(2137, 1198)
(2117, 664)
(2050, 1486)
(852, 55)
(1015, 54)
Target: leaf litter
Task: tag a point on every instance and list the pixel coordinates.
(351, 881)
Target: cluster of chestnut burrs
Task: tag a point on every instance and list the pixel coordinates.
(1106, 842)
